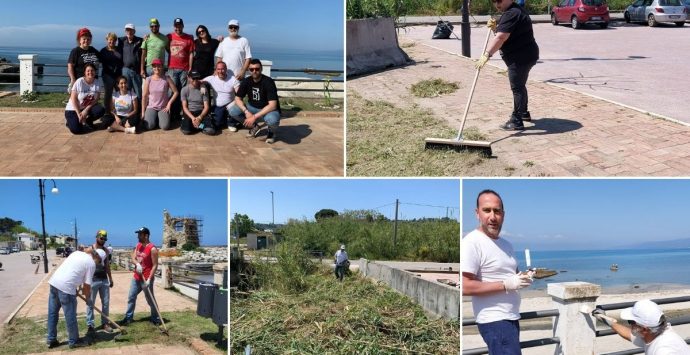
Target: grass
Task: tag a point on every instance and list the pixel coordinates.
(433, 88)
(45, 100)
(385, 140)
(25, 335)
(353, 317)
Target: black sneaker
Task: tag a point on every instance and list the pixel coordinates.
(271, 137)
(526, 116)
(78, 344)
(53, 344)
(156, 322)
(126, 321)
(91, 330)
(512, 126)
(254, 131)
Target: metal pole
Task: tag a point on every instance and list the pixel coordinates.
(465, 29)
(41, 195)
(76, 238)
(273, 213)
(395, 227)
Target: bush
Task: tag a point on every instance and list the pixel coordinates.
(189, 247)
(29, 96)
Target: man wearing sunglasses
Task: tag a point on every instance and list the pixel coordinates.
(154, 47)
(262, 103)
(648, 329)
(100, 285)
(234, 50)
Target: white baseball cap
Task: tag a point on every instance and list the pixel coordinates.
(234, 22)
(645, 313)
(342, 246)
(130, 26)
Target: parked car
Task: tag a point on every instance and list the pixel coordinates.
(15, 250)
(654, 11)
(4, 251)
(581, 12)
(687, 8)
(59, 250)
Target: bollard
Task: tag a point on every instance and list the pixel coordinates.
(218, 272)
(166, 272)
(26, 72)
(575, 330)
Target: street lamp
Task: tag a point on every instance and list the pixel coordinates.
(42, 196)
(76, 237)
(273, 213)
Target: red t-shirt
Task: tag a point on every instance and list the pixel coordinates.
(143, 256)
(181, 48)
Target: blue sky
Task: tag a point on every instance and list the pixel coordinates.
(302, 198)
(119, 206)
(277, 24)
(556, 214)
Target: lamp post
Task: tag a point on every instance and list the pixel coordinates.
(76, 237)
(273, 213)
(42, 196)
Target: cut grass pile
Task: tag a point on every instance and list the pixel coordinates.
(385, 140)
(433, 88)
(25, 335)
(352, 317)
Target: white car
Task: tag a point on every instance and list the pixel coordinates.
(4, 251)
(654, 11)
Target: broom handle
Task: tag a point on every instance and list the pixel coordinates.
(99, 311)
(474, 83)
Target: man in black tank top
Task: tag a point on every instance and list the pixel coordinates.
(102, 282)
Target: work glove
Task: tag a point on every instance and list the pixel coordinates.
(516, 282)
(491, 24)
(601, 315)
(146, 283)
(482, 60)
(138, 269)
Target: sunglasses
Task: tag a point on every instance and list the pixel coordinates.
(152, 26)
(200, 32)
(233, 27)
(254, 69)
(102, 237)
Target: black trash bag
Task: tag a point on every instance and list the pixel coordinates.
(443, 30)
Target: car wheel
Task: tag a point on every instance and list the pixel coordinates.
(680, 24)
(604, 25)
(554, 20)
(575, 23)
(651, 21)
(626, 16)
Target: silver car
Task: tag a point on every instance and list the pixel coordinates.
(655, 11)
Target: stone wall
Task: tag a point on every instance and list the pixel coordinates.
(189, 231)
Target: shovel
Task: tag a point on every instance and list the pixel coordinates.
(155, 305)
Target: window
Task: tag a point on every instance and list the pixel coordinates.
(178, 226)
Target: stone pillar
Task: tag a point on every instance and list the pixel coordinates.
(218, 270)
(574, 329)
(166, 272)
(26, 72)
(266, 65)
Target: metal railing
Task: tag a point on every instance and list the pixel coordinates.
(180, 277)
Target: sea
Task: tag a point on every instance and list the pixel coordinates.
(282, 59)
(636, 267)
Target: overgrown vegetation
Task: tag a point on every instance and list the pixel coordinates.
(433, 88)
(423, 240)
(325, 317)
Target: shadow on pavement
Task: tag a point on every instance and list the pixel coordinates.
(213, 337)
(544, 126)
(293, 134)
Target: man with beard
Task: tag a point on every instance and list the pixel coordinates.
(101, 284)
(145, 259)
(154, 47)
(234, 50)
(181, 49)
(262, 102)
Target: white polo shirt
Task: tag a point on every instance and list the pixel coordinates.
(668, 343)
(490, 260)
(77, 269)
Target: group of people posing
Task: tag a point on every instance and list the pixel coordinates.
(87, 271)
(203, 85)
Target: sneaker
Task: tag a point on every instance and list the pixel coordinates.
(156, 322)
(78, 344)
(254, 131)
(526, 116)
(271, 137)
(91, 330)
(110, 129)
(232, 128)
(512, 126)
(132, 130)
(126, 321)
(53, 344)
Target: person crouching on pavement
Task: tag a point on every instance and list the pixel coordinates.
(648, 329)
(76, 270)
(196, 104)
(101, 285)
(145, 259)
(340, 263)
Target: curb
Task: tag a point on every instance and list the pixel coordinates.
(26, 299)
(202, 347)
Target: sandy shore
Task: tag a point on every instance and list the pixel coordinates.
(533, 300)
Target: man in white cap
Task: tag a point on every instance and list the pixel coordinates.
(340, 263)
(648, 329)
(77, 270)
(490, 275)
(234, 50)
(129, 47)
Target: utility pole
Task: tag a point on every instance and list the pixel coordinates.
(76, 238)
(395, 228)
(273, 213)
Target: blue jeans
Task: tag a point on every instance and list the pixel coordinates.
(72, 120)
(502, 337)
(133, 80)
(272, 118)
(68, 302)
(134, 288)
(179, 77)
(101, 287)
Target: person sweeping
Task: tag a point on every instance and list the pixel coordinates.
(520, 52)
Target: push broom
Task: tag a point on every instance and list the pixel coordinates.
(459, 143)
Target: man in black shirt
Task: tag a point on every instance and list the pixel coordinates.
(129, 47)
(262, 102)
(519, 50)
(100, 285)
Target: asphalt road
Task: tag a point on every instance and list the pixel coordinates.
(17, 280)
(635, 65)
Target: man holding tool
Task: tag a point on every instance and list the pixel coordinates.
(519, 50)
(102, 282)
(490, 276)
(145, 259)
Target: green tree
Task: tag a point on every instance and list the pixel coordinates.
(6, 224)
(325, 213)
(241, 224)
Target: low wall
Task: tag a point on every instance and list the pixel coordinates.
(372, 44)
(436, 298)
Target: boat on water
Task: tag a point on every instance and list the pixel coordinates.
(614, 267)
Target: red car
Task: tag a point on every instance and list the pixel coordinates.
(581, 12)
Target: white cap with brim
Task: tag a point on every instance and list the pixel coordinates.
(645, 313)
(130, 26)
(234, 22)
(342, 246)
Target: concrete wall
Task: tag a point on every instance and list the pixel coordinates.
(372, 44)
(436, 298)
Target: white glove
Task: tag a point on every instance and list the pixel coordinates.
(601, 315)
(138, 269)
(516, 282)
(146, 283)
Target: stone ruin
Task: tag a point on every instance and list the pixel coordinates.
(177, 231)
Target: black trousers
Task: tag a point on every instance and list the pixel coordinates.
(517, 76)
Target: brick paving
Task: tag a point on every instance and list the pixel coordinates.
(38, 144)
(572, 134)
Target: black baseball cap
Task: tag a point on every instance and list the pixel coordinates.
(178, 21)
(194, 74)
(142, 230)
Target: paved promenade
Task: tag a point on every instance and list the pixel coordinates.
(39, 144)
(572, 134)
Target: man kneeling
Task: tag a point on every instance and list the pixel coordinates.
(196, 106)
